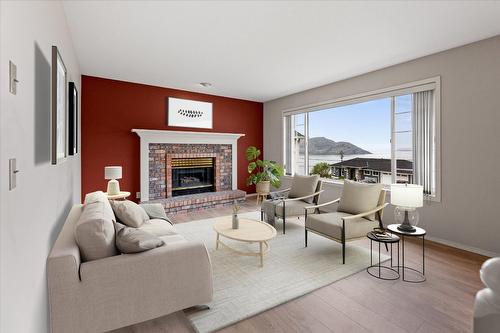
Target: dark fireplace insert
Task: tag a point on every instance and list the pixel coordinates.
(192, 175)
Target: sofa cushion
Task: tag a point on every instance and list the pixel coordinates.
(330, 224)
(94, 231)
(133, 240)
(129, 213)
(158, 227)
(359, 198)
(302, 186)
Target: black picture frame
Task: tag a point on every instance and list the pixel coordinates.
(72, 119)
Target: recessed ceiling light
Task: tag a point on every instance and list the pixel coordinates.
(205, 84)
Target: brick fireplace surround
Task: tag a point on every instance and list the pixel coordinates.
(160, 165)
(160, 147)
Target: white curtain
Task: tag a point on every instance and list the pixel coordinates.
(423, 141)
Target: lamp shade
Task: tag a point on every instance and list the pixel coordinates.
(113, 172)
(407, 195)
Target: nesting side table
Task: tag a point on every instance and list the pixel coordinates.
(419, 233)
(376, 270)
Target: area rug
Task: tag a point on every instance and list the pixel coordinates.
(242, 288)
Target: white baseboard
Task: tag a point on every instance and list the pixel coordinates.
(464, 247)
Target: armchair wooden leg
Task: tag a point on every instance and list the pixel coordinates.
(305, 236)
(261, 215)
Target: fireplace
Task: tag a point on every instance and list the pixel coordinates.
(192, 175)
(189, 171)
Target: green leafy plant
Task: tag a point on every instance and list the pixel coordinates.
(322, 169)
(262, 170)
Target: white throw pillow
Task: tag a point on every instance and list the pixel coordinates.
(132, 240)
(95, 233)
(129, 213)
(95, 197)
(359, 198)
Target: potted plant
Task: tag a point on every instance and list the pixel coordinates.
(263, 173)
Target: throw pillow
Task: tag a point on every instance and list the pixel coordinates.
(132, 240)
(302, 186)
(129, 213)
(359, 198)
(95, 197)
(94, 232)
(155, 211)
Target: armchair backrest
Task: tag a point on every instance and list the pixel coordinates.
(304, 186)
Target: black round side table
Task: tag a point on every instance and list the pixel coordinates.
(418, 233)
(379, 267)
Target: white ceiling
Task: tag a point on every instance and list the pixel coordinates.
(264, 50)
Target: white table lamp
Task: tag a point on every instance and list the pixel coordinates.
(406, 198)
(113, 173)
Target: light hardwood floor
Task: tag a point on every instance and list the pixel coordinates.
(361, 303)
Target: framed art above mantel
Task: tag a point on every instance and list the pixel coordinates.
(189, 113)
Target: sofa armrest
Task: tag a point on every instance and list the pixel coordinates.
(181, 270)
(130, 288)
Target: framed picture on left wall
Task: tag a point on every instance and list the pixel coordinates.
(59, 102)
(72, 119)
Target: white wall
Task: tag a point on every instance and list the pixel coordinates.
(32, 214)
(468, 215)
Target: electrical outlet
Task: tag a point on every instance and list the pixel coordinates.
(12, 78)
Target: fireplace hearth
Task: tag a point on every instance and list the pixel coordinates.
(192, 175)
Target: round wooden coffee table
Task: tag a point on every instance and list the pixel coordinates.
(249, 231)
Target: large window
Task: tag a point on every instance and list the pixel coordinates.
(386, 137)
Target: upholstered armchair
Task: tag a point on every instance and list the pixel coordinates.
(305, 190)
(359, 210)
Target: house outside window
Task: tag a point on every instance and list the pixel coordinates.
(389, 136)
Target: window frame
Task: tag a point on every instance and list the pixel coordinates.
(433, 83)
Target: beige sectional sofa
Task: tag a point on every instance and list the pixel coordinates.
(124, 289)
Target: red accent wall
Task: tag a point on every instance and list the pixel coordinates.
(110, 109)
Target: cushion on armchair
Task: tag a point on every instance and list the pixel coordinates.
(330, 224)
(303, 186)
(359, 198)
(292, 208)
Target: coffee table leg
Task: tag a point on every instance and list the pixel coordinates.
(261, 255)
(217, 242)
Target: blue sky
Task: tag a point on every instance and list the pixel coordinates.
(367, 125)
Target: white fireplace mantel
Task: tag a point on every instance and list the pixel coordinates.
(160, 136)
